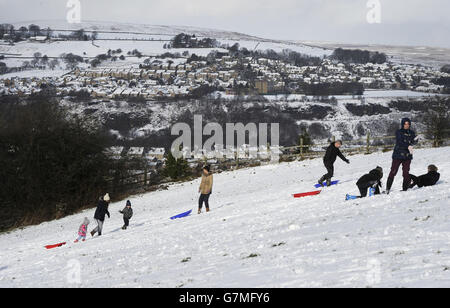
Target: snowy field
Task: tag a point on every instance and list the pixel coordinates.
(257, 235)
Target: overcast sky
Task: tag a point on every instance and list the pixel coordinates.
(403, 22)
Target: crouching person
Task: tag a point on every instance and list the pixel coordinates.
(429, 179)
(370, 180)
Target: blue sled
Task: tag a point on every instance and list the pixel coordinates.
(182, 215)
(325, 184)
(350, 197)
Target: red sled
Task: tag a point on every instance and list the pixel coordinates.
(54, 246)
(312, 193)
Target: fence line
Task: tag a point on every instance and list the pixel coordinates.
(299, 152)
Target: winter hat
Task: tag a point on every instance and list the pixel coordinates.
(86, 221)
(379, 169)
(106, 198)
(128, 203)
(432, 168)
(207, 168)
(404, 120)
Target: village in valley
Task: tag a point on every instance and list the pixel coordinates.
(191, 67)
(230, 70)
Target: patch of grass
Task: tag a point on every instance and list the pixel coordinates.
(253, 255)
(186, 260)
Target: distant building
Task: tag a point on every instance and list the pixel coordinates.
(262, 86)
(136, 151)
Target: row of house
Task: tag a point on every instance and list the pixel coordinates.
(165, 79)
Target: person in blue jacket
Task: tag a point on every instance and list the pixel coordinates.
(403, 154)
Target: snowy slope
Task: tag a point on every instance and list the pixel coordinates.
(400, 240)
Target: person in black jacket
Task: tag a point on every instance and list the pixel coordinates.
(330, 157)
(127, 214)
(100, 212)
(429, 179)
(370, 180)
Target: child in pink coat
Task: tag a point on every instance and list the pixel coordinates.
(82, 230)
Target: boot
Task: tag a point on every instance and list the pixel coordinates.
(405, 186)
(76, 241)
(389, 185)
(207, 209)
(328, 182)
(92, 233)
(322, 179)
(199, 211)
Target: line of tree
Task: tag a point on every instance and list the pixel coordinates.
(286, 55)
(443, 81)
(183, 40)
(23, 33)
(446, 69)
(335, 88)
(51, 164)
(359, 56)
(437, 121)
(3, 68)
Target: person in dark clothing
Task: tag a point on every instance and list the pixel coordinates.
(429, 179)
(100, 212)
(127, 214)
(329, 159)
(405, 139)
(370, 180)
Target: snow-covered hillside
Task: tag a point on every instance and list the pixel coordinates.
(108, 33)
(257, 235)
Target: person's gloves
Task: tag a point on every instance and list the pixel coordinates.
(347, 161)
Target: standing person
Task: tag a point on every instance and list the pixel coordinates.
(205, 189)
(127, 214)
(330, 157)
(100, 212)
(82, 230)
(429, 179)
(405, 139)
